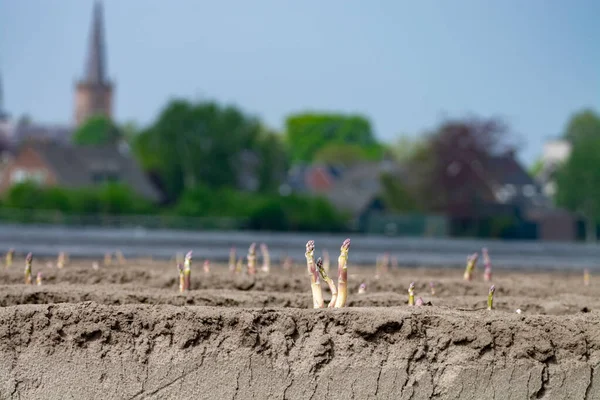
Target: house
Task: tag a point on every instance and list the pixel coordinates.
(510, 183)
(313, 179)
(358, 191)
(513, 192)
(52, 163)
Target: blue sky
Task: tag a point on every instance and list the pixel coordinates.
(404, 64)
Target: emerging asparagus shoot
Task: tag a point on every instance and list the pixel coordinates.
(9, 258)
(314, 275)
(432, 287)
(187, 270)
(471, 262)
(60, 261)
(487, 275)
(343, 275)
(239, 266)
(181, 278)
(232, 258)
(28, 261)
(362, 289)
(206, 266)
(586, 277)
(329, 281)
(264, 250)
(419, 302)
(411, 294)
(38, 279)
(490, 303)
(252, 259)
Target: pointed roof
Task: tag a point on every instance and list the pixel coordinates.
(95, 70)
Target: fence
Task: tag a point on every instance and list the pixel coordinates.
(160, 243)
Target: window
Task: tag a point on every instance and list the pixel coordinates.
(529, 190)
(21, 175)
(18, 175)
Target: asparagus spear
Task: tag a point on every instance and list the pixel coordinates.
(181, 278)
(28, 261)
(329, 281)
(343, 274)
(252, 259)
(9, 257)
(471, 262)
(411, 294)
(362, 289)
(38, 279)
(490, 303)
(314, 275)
(264, 250)
(60, 262)
(187, 270)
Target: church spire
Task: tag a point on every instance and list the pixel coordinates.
(94, 93)
(95, 71)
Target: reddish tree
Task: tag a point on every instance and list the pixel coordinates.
(451, 174)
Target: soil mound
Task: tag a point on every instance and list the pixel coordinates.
(125, 332)
(89, 350)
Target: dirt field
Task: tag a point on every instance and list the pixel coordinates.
(124, 332)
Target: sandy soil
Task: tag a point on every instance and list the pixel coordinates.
(124, 332)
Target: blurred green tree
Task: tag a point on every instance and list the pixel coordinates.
(308, 133)
(97, 131)
(341, 154)
(582, 124)
(205, 143)
(578, 179)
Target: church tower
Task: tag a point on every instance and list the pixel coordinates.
(94, 93)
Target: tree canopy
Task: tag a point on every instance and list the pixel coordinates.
(582, 124)
(311, 134)
(205, 143)
(578, 179)
(446, 169)
(98, 130)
